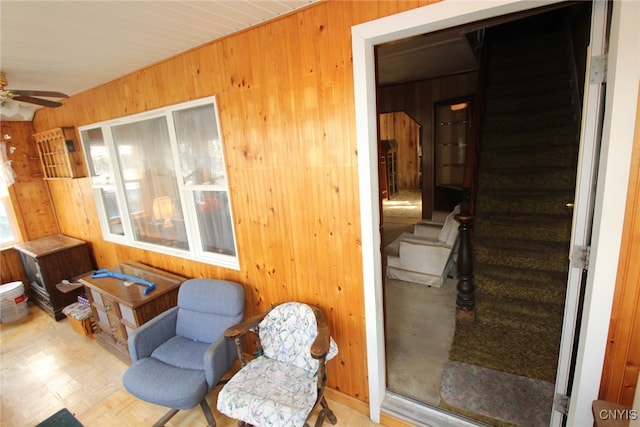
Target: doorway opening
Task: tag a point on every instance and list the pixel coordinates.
(420, 319)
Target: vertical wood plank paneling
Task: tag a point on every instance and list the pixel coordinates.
(406, 132)
(29, 195)
(622, 358)
(11, 268)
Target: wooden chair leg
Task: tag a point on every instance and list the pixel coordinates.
(320, 419)
(329, 413)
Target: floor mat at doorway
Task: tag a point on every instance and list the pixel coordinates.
(498, 395)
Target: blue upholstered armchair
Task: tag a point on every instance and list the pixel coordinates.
(180, 355)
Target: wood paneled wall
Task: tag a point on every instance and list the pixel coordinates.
(406, 131)
(417, 99)
(29, 195)
(622, 359)
(11, 267)
(285, 95)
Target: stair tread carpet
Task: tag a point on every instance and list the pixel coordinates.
(549, 136)
(540, 256)
(536, 179)
(506, 104)
(521, 352)
(556, 156)
(523, 121)
(533, 202)
(546, 84)
(500, 281)
(548, 228)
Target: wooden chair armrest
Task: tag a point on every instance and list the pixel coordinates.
(322, 343)
(243, 327)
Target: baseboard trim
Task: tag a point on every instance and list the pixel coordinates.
(359, 406)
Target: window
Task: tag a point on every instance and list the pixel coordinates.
(160, 183)
(8, 227)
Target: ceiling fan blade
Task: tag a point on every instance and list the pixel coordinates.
(48, 94)
(38, 101)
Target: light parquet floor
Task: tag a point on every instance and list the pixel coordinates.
(46, 366)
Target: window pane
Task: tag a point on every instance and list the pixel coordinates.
(113, 211)
(214, 221)
(98, 159)
(6, 225)
(199, 145)
(149, 176)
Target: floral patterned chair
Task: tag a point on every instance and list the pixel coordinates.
(285, 382)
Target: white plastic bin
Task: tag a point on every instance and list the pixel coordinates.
(13, 302)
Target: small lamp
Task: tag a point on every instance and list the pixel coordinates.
(163, 210)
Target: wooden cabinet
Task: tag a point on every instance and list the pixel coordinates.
(120, 307)
(389, 168)
(48, 261)
(452, 127)
(60, 154)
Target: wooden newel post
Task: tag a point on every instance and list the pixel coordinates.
(465, 302)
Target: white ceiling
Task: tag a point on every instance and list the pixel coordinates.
(425, 57)
(72, 46)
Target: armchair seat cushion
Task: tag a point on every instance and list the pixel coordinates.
(269, 392)
(149, 377)
(181, 352)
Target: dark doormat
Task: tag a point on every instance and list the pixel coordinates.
(62, 418)
(497, 395)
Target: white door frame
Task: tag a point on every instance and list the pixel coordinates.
(584, 199)
(612, 181)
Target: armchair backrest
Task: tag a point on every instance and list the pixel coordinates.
(287, 332)
(449, 231)
(207, 307)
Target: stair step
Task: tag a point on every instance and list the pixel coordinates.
(527, 157)
(543, 84)
(535, 102)
(565, 134)
(522, 48)
(544, 286)
(509, 347)
(527, 121)
(520, 314)
(527, 179)
(545, 202)
(546, 228)
(525, 254)
(532, 67)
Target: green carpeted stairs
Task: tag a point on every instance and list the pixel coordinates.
(522, 225)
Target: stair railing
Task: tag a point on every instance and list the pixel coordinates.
(465, 301)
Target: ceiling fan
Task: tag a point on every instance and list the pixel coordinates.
(29, 95)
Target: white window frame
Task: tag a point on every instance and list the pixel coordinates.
(195, 250)
(6, 202)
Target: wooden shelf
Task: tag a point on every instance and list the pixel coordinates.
(451, 132)
(60, 154)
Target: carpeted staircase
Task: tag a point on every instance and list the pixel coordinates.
(522, 226)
